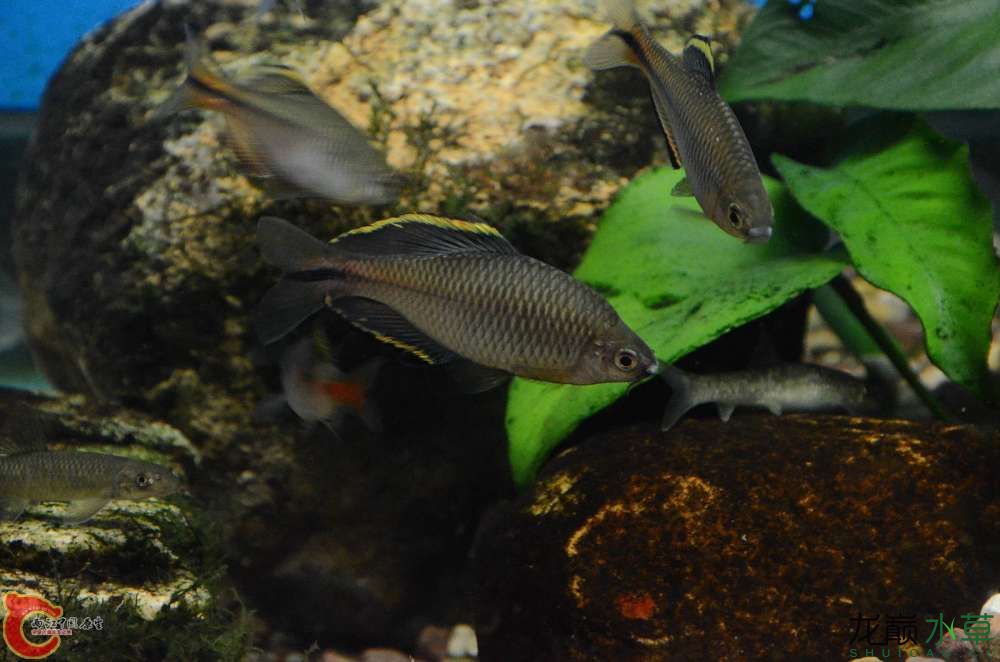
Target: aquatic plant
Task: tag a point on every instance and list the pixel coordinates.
(901, 197)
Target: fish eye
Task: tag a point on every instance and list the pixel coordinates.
(143, 481)
(626, 360)
(735, 216)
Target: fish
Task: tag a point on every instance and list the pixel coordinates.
(284, 135)
(88, 481)
(450, 291)
(780, 388)
(317, 391)
(703, 134)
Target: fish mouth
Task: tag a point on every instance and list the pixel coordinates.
(759, 235)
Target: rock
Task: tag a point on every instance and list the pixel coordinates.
(135, 561)
(734, 540)
(462, 643)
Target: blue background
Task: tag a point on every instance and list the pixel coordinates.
(37, 35)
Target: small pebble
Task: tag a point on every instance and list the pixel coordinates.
(462, 642)
(992, 606)
(384, 655)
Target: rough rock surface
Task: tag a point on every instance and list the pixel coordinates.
(135, 252)
(758, 539)
(136, 564)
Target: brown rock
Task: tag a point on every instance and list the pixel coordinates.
(758, 539)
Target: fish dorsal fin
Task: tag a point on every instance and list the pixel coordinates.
(275, 79)
(423, 234)
(698, 57)
(660, 103)
(392, 328)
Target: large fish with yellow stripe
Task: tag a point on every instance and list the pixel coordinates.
(703, 134)
(447, 290)
(285, 135)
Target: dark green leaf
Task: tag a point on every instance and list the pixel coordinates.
(680, 282)
(901, 54)
(915, 224)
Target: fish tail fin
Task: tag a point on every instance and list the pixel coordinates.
(292, 249)
(680, 396)
(203, 87)
(364, 375)
(622, 14)
(612, 50)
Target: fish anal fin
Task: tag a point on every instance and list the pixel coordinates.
(472, 377)
(12, 507)
(390, 327)
(81, 510)
(725, 410)
(423, 234)
(682, 189)
(609, 52)
(698, 58)
(660, 103)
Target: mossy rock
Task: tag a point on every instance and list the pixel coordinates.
(139, 565)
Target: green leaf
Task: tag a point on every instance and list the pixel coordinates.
(915, 224)
(893, 54)
(679, 282)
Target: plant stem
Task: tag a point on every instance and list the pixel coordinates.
(856, 304)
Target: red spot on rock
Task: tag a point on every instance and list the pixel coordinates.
(636, 606)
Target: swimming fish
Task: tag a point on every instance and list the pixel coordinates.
(86, 480)
(286, 135)
(444, 289)
(316, 390)
(785, 387)
(703, 134)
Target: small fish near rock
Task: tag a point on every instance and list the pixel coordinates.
(703, 135)
(319, 392)
(29, 473)
(449, 291)
(780, 388)
(285, 135)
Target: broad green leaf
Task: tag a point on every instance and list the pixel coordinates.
(915, 224)
(894, 54)
(680, 282)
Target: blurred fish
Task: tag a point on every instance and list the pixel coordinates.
(318, 392)
(786, 387)
(443, 289)
(703, 134)
(86, 480)
(285, 134)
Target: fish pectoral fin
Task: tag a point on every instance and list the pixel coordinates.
(241, 140)
(698, 58)
(423, 234)
(392, 328)
(609, 52)
(12, 507)
(471, 377)
(725, 410)
(661, 104)
(682, 189)
(81, 510)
